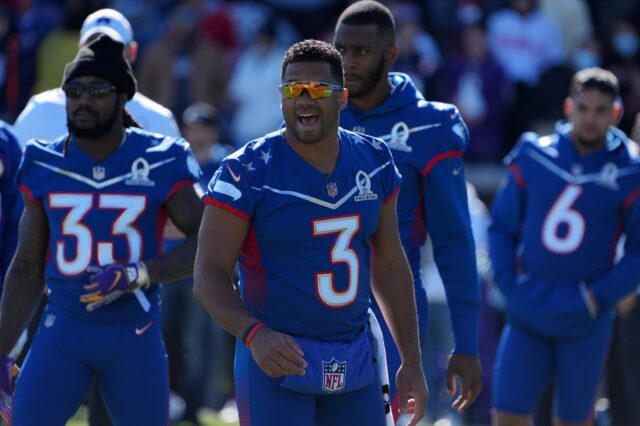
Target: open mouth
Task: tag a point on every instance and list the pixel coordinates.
(308, 120)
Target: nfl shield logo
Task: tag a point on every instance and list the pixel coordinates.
(332, 189)
(98, 172)
(334, 375)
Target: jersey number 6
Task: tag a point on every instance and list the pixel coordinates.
(561, 213)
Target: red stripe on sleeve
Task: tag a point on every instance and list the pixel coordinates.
(179, 186)
(392, 195)
(435, 160)
(27, 192)
(517, 175)
(631, 198)
(212, 202)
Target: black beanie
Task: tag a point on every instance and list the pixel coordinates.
(103, 58)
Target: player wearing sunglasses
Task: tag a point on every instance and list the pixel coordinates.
(428, 140)
(309, 212)
(95, 202)
(44, 117)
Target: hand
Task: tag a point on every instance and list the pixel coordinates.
(412, 391)
(112, 281)
(8, 372)
(277, 354)
(467, 368)
(626, 305)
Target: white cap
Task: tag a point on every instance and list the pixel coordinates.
(109, 22)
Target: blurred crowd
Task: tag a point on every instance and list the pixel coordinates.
(505, 63)
(216, 64)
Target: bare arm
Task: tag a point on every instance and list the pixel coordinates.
(392, 287)
(24, 283)
(219, 243)
(184, 209)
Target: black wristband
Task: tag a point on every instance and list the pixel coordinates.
(247, 330)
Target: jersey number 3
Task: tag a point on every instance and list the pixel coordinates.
(78, 205)
(562, 213)
(345, 227)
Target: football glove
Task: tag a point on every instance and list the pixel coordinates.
(8, 372)
(112, 282)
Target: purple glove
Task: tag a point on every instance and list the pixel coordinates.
(112, 281)
(8, 371)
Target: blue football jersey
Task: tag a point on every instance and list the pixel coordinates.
(560, 214)
(104, 213)
(428, 140)
(10, 201)
(305, 264)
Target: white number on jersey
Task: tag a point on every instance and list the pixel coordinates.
(341, 252)
(131, 206)
(560, 214)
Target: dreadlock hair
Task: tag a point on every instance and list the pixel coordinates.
(315, 51)
(128, 120)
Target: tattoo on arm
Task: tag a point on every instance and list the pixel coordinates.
(24, 284)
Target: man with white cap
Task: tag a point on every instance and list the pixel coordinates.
(44, 117)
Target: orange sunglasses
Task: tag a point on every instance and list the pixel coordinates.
(316, 89)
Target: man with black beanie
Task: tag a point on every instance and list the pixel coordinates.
(103, 58)
(95, 203)
(44, 115)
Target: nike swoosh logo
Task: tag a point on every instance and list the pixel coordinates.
(235, 177)
(115, 280)
(140, 330)
(457, 171)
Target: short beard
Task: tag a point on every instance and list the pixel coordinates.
(97, 131)
(591, 143)
(369, 81)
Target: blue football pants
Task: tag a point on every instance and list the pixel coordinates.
(526, 363)
(128, 358)
(263, 402)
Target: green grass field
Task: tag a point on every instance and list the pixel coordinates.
(209, 419)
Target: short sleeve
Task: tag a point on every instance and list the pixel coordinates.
(230, 190)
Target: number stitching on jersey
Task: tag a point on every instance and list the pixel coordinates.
(341, 252)
(78, 206)
(561, 212)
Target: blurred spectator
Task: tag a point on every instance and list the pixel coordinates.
(60, 46)
(9, 65)
(200, 352)
(527, 44)
(419, 54)
(574, 21)
(183, 67)
(605, 13)
(624, 41)
(221, 30)
(588, 55)
(35, 20)
(474, 81)
(201, 127)
(252, 89)
(310, 17)
(250, 17)
(145, 16)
